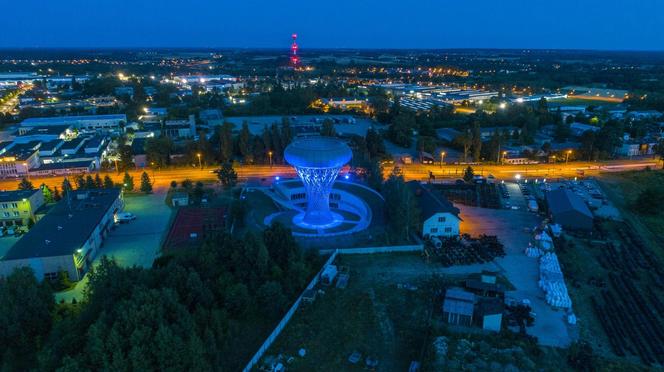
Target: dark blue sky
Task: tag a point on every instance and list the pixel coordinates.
(578, 24)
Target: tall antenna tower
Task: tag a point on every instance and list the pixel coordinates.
(295, 60)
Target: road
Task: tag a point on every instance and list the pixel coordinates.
(9, 106)
(163, 178)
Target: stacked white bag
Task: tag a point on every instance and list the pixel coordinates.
(553, 282)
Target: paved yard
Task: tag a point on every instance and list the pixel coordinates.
(135, 243)
(522, 271)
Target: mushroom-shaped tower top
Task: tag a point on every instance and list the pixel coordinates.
(317, 161)
(318, 152)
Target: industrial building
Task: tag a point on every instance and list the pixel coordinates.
(439, 216)
(68, 238)
(105, 123)
(569, 210)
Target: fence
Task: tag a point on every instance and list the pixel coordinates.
(284, 321)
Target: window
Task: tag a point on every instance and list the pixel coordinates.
(441, 219)
(6, 214)
(434, 230)
(14, 205)
(448, 229)
(5, 206)
(16, 214)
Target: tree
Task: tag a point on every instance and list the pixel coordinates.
(659, 151)
(226, 142)
(327, 129)
(25, 317)
(66, 186)
(402, 213)
(580, 357)
(80, 182)
(48, 194)
(159, 151)
(468, 174)
(174, 184)
(56, 194)
(128, 182)
(375, 178)
(244, 144)
(25, 184)
(98, 182)
(146, 185)
(227, 175)
(375, 144)
(649, 201)
(89, 182)
(477, 142)
(126, 157)
(108, 182)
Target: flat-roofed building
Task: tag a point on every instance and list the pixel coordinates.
(68, 238)
(83, 122)
(18, 207)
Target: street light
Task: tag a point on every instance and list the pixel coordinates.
(442, 158)
(269, 153)
(567, 155)
(199, 160)
(502, 160)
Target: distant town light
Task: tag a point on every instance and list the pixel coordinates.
(503, 105)
(346, 176)
(277, 178)
(518, 176)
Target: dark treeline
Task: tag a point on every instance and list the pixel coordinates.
(201, 310)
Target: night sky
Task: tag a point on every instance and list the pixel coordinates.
(574, 24)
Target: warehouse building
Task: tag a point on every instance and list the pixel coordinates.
(569, 210)
(68, 238)
(104, 123)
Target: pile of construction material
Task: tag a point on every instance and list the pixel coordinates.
(553, 282)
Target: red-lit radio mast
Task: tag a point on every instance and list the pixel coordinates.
(295, 60)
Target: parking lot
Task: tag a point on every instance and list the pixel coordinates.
(510, 226)
(137, 242)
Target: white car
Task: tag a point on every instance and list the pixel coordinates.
(123, 217)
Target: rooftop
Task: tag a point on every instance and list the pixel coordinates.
(430, 201)
(14, 195)
(64, 230)
(65, 119)
(564, 200)
(458, 301)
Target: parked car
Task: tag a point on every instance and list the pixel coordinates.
(123, 217)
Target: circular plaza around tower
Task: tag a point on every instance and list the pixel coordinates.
(316, 204)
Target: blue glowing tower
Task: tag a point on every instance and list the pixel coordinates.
(317, 161)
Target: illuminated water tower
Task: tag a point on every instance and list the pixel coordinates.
(295, 60)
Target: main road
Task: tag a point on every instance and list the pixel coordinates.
(163, 178)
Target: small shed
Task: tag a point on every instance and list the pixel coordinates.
(180, 199)
(329, 274)
(490, 313)
(458, 307)
(484, 289)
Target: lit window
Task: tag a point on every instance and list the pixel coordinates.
(441, 219)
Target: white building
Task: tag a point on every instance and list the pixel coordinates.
(439, 216)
